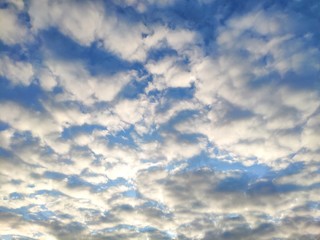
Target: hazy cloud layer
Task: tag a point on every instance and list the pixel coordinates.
(159, 119)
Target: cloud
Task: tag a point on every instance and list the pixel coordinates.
(168, 73)
(142, 6)
(27, 120)
(224, 203)
(244, 118)
(102, 24)
(48, 14)
(18, 72)
(159, 120)
(97, 25)
(80, 85)
(12, 30)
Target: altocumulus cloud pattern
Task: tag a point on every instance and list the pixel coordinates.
(169, 119)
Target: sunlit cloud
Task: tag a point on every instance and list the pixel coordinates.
(143, 119)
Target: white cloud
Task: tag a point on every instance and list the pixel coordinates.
(106, 88)
(18, 72)
(66, 160)
(181, 38)
(5, 138)
(252, 135)
(22, 119)
(46, 79)
(131, 111)
(25, 229)
(169, 73)
(173, 149)
(311, 133)
(116, 34)
(178, 39)
(69, 17)
(11, 30)
(89, 22)
(80, 85)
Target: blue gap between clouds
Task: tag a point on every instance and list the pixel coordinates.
(134, 88)
(3, 126)
(28, 96)
(97, 60)
(204, 161)
(123, 138)
(70, 132)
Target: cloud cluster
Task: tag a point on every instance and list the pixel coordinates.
(159, 120)
(256, 108)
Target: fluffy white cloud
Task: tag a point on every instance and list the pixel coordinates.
(69, 16)
(22, 119)
(130, 111)
(18, 72)
(11, 30)
(80, 85)
(5, 139)
(215, 137)
(168, 73)
(46, 79)
(88, 22)
(179, 39)
(248, 117)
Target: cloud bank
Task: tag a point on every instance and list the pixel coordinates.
(159, 120)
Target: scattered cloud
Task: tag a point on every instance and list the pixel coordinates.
(159, 120)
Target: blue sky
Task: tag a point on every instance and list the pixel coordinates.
(172, 119)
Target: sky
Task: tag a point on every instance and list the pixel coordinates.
(171, 119)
